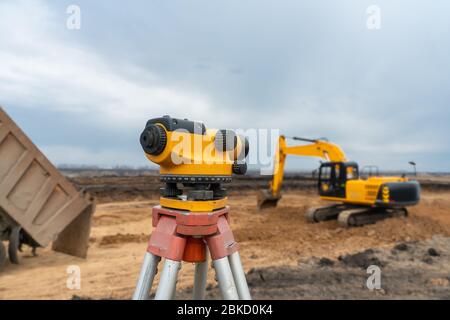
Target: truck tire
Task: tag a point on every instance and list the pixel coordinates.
(2, 256)
(13, 245)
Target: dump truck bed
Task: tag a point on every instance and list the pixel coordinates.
(36, 196)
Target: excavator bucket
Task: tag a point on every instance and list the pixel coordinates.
(37, 204)
(267, 200)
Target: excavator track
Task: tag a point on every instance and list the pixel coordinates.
(325, 213)
(362, 216)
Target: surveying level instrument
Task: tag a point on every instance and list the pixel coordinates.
(193, 217)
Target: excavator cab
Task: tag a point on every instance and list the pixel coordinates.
(333, 177)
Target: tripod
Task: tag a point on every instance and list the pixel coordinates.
(181, 235)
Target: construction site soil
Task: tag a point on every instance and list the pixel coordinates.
(283, 255)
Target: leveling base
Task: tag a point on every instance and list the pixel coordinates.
(188, 236)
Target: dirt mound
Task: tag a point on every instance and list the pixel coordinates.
(285, 233)
(361, 260)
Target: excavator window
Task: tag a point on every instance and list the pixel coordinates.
(350, 175)
(326, 173)
(333, 177)
(352, 171)
(337, 170)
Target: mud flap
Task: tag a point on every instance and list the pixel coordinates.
(74, 239)
(266, 200)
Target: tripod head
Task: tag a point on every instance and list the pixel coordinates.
(194, 161)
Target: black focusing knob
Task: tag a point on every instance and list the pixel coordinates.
(153, 139)
(225, 140)
(239, 168)
(245, 148)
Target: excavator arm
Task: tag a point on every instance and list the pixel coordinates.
(315, 148)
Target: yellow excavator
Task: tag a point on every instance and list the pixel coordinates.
(357, 201)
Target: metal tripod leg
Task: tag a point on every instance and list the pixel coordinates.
(225, 278)
(174, 292)
(168, 280)
(145, 281)
(201, 275)
(239, 276)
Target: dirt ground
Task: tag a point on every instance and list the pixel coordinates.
(409, 270)
(274, 243)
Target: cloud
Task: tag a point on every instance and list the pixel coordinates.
(41, 70)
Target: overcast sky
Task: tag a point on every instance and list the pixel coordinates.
(309, 68)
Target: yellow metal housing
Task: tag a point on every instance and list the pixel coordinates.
(195, 154)
(194, 206)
